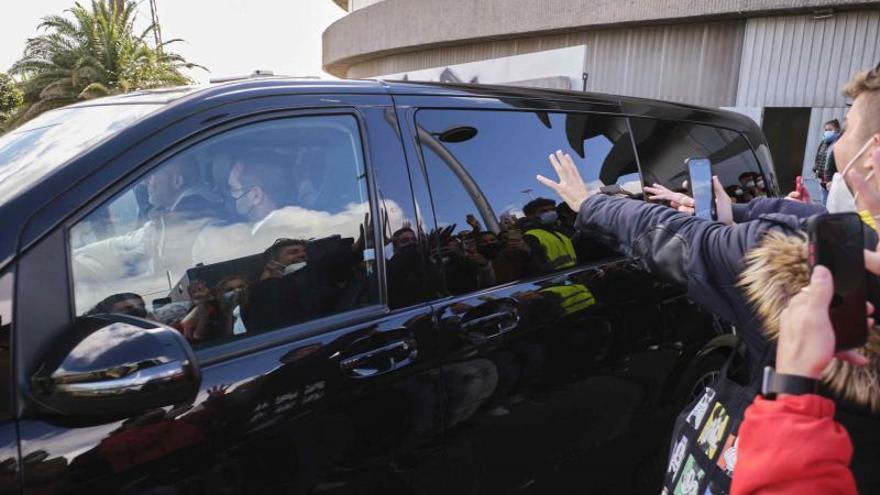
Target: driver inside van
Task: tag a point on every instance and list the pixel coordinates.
(181, 206)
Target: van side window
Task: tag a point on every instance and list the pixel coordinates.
(496, 223)
(251, 230)
(663, 147)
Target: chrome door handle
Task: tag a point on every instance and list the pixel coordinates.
(381, 360)
(492, 325)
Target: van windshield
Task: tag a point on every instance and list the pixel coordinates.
(32, 151)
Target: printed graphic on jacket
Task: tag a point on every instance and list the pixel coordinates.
(695, 418)
(727, 459)
(677, 457)
(715, 489)
(691, 476)
(713, 431)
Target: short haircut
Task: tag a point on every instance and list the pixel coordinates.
(266, 170)
(833, 123)
(272, 252)
(534, 205)
(187, 167)
(866, 84)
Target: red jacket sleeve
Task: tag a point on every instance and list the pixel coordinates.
(792, 446)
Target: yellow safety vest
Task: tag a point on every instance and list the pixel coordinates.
(575, 297)
(559, 249)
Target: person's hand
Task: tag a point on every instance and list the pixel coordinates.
(571, 187)
(795, 196)
(659, 192)
(472, 221)
(723, 205)
(806, 337)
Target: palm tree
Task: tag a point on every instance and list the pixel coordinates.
(94, 53)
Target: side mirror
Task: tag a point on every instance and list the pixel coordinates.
(116, 365)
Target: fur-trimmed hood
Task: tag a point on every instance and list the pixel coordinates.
(777, 270)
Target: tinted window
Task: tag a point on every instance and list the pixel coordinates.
(251, 230)
(663, 147)
(496, 222)
(40, 146)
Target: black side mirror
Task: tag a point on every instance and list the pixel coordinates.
(116, 365)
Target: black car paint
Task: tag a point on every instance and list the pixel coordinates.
(278, 414)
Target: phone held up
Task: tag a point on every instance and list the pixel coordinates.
(702, 190)
(837, 243)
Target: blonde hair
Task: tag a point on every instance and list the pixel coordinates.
(866, 84)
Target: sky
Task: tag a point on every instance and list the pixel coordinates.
(229, 37)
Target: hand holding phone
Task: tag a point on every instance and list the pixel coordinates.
(837, 243)
(803, 194)
(702, 189)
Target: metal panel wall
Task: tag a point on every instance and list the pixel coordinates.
(799, 61)
(689, 63)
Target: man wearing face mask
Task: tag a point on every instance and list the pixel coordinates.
(552, 249)
(708, 258)
(829, 137)
(860, 141)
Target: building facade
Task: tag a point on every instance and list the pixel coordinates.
(782, 62)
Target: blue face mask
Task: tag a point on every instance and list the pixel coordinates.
(829, 135)
(548, 217)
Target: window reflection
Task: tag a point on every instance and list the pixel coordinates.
(663, 147)
(495, 222)
(255, 229)
(37, 148)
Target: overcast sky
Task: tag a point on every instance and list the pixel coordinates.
(229, 37)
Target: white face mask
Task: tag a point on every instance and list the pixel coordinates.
(294, 267)
(840, 198)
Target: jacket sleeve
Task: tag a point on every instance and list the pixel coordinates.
(792, 446)
(705, 257)
(763, 206)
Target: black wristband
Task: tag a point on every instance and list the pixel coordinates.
(775, 383)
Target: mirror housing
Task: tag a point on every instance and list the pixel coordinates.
(114, 365)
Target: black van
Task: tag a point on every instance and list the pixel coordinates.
(344, 287)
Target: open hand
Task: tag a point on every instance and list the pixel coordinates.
(659, 192)
(571, 187)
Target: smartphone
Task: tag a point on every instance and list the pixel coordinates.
(799, 188)
(813, 188)
(702, 190)
(837, 243)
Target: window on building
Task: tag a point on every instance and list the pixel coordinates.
(496, 223)
(251, 230)
(664, 146)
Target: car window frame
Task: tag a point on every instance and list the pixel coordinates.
(761, 169)
(263, 340)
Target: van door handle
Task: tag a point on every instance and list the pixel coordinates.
(381, 360)
(491, 326)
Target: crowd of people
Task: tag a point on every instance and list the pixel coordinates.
(751, 269)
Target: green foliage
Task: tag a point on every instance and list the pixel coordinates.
(11, 99)
(91, 53)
